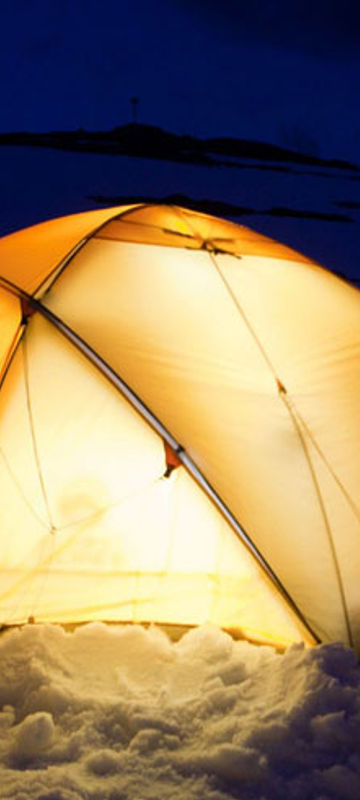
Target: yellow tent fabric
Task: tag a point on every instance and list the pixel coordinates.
(179, 428)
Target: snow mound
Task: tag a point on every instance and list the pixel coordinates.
(122, 713)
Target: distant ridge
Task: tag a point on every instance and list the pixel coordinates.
(149, 141)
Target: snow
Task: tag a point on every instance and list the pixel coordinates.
(120, 712)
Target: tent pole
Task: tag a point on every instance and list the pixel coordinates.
(158, 426)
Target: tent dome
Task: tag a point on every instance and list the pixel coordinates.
(179, 428)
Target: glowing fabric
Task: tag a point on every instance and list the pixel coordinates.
(248, 355)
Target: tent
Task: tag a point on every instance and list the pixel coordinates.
(179, 428)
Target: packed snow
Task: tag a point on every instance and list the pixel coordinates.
(120, 712)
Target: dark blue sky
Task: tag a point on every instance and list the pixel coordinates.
(278, 71)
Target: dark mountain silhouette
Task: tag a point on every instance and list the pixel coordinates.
(148, 141)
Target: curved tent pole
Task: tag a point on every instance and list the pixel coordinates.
(59, 268)
(158, 426)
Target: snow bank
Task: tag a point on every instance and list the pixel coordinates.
(113, 713)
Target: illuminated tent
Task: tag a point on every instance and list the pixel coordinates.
(179, 428)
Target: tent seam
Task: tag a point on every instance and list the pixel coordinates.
(321, 501)
(151, 418)
(284, 394)
(67, 259)
(33, 437)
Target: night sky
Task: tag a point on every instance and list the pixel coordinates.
(275, 71)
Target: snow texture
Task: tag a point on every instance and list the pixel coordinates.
(120, 713)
